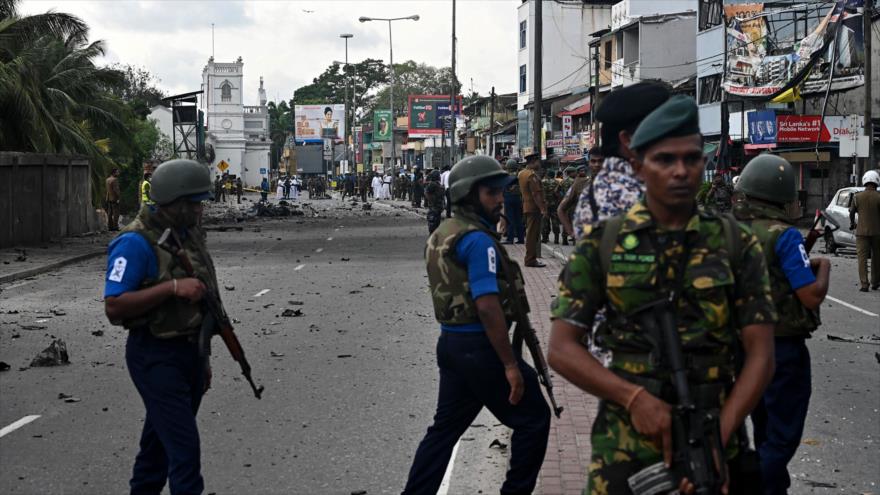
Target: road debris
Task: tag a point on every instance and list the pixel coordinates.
(4, 366)
(68, 398)
(343, 356)
(98, 333)
(229, 287)
(873, 339)
(291, 313)
(54, 355)
(497, 444)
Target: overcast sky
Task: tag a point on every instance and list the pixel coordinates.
(291, 42)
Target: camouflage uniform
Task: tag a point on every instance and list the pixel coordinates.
(717, 299)
(720, 197)
(551, 221)
(434, 198)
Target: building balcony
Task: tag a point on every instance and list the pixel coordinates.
(624, 74)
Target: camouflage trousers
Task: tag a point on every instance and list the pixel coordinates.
(550, 223)
(435, 216)
(619, 451)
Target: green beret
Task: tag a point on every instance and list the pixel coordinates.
(569, 170)
(679, 116)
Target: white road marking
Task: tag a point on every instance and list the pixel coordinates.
(258, 294)
(319, 250)
(850, 306)
(18, 424)
(299, 267)
(556, 253)
(447, 478)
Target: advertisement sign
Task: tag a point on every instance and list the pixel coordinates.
(762, 127)
(767, 59)
(358, 132)
(566, 126)
(314, 123)
(381, 125)
(805, 128)
(427, 114)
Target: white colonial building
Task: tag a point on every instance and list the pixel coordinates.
(238, 133)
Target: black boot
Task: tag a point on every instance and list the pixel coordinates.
(565, 239)
(556, 239)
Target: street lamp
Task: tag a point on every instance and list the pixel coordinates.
(391, 86)
(346, 37)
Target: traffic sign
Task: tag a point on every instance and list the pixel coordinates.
(262, 171)
(223, 165)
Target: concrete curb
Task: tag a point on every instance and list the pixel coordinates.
(12, 277)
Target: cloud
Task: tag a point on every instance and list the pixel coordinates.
(289, 47)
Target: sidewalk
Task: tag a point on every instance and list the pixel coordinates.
(49, 256)
(568, 451)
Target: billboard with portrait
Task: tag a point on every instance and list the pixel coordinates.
(314, 123)
(427, 114)
(381, 125)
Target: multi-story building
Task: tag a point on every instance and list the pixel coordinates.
(238, 133)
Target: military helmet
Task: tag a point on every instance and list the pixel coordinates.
(512, 164)
(469, 171)
(871, 176)
(769, 177)
(434, 175)
(175, 179)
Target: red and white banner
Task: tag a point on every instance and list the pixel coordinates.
(805, 128)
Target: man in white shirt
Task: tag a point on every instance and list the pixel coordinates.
(386, 187)
(377, 187)
(444, 181)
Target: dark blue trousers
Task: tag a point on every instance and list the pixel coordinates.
(780, 416)
(471, 377)
(514, 213)
(170, 378)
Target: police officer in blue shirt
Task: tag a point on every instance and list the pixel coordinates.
(151, 295)
(798, 285)
(474, 298)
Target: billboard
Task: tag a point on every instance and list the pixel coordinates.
(314, 123)
(381, 125)
(770, 57)
(427, 114)
(762, 127)
(805, 128)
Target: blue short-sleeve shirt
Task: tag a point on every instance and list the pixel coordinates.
(131, 260)
(793, 258)
(477, 251)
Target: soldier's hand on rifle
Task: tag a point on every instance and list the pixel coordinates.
(191, 289)
(515, 379)
(652, 418)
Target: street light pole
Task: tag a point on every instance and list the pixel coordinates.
(347, 127)
(391, 65)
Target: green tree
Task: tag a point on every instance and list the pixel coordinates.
(411, 78)
(138, 89)
(364, 79)
(280, 124)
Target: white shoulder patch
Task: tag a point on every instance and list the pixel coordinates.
(118, 270)
(804, 255)
(492, 255)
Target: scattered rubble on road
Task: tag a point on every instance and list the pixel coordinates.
(54, 355)
(292, 313)
(68, 398)
(4, 366)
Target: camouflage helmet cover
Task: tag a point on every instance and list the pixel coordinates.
(175, 179)
(469, 171)
(770, 178)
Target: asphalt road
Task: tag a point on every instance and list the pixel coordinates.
(350, 385)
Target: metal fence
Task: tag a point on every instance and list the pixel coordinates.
(43, 197)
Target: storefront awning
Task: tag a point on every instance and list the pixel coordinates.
(585, 108)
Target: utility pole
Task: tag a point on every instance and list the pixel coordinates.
(347, 127)
(867, 13)
(452, 93)
(491, 143)
(594, 105)
(538, 108)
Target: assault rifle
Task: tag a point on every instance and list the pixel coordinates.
(814, 233)
(698, 453)
(215, 321)
(523, 332)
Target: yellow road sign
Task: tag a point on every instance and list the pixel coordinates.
(223, 165)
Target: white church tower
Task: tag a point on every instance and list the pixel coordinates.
(238, 133)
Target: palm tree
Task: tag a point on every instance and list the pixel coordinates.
(53, 98)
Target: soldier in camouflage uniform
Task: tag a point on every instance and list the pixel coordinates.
(720, 194)
(475, 288)
(149, 293)
(565, 204)
(712, 272)
(434, 201)
(551, 185)
(767, 185)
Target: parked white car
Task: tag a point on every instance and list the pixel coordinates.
(838, 209)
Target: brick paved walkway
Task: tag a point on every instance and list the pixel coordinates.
(568, 451)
